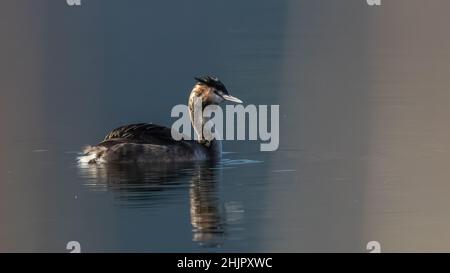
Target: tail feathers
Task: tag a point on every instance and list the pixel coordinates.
(92, 155)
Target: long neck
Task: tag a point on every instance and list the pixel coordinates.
(197, 104)
(196, 107)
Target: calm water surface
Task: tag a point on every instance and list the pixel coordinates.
(364, 135)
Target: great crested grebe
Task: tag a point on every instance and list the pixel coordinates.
(146, 142)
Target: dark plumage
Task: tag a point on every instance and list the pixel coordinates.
(141, 133)
(212, 81)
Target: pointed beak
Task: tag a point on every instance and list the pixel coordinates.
(231, 98)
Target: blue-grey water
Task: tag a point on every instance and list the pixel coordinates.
(364, 135)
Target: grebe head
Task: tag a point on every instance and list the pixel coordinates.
(212, 91)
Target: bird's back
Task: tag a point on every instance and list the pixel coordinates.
(144, 142)
(142, 133)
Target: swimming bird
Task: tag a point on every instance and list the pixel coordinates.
(146, 142)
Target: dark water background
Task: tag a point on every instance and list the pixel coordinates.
(364, 139)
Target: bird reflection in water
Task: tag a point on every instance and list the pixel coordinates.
(150, 185)
(207, 215)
